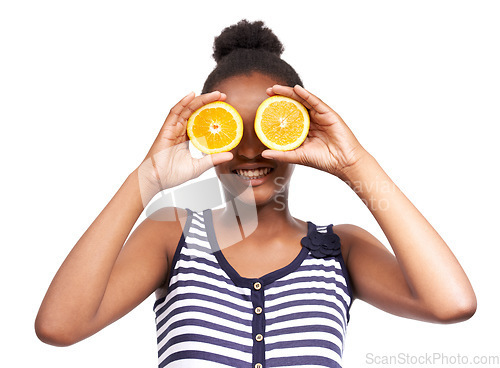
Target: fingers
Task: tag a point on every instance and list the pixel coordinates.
(311, 100)
(287, 92)
(181, 112)
(181, 105)
(302, 95)
(283, 156)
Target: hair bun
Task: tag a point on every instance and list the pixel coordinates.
(246, 35)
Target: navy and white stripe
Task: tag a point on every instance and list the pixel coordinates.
(208, 317)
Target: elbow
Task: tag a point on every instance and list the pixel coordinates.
(459, 311)
(52, 334)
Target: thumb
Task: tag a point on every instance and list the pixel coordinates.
(209, 161)
(291, 157)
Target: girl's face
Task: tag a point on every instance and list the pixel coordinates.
(248, 173)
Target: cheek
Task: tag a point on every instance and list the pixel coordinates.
(284, 174)
(230, 182)
(218, 170)
(222, 169)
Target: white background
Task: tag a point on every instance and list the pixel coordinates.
(85, 87)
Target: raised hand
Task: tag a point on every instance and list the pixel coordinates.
(330, 145)
(169, 162)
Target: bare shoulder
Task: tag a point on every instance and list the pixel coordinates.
(166, 220)
(164, 228)
(160, 229)
(356, 240)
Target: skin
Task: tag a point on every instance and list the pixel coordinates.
(275, 242)
(102, 278)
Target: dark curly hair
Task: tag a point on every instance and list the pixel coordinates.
(248, 47)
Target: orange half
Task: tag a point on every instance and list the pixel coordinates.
(215, 127)
(281, 123)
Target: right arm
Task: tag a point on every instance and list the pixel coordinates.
(99, 282)
(102, 279)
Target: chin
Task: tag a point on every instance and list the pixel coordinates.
(257, 191)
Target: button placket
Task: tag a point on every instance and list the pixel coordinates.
(258, 325)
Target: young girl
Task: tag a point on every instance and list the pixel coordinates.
(269, 290)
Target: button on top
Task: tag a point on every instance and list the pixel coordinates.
(258, 365)
(257, 286)
(259, 337)
(258, 310)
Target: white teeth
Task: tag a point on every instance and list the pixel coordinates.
(253, 174)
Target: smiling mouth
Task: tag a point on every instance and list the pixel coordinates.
(250, 174)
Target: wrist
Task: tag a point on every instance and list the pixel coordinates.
(148, 185)
(364, 174)
(358, 167)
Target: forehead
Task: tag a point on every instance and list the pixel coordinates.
(246, 92)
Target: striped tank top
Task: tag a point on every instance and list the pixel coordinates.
(211, 317)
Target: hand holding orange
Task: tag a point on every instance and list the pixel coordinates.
(168, 162)
(330, 145)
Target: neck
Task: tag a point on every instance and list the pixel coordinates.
(260, 218)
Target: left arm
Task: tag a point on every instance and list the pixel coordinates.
(423, 280)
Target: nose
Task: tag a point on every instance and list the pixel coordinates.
(250, 145)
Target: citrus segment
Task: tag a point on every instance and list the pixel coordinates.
(215, 127)
(281, 123)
